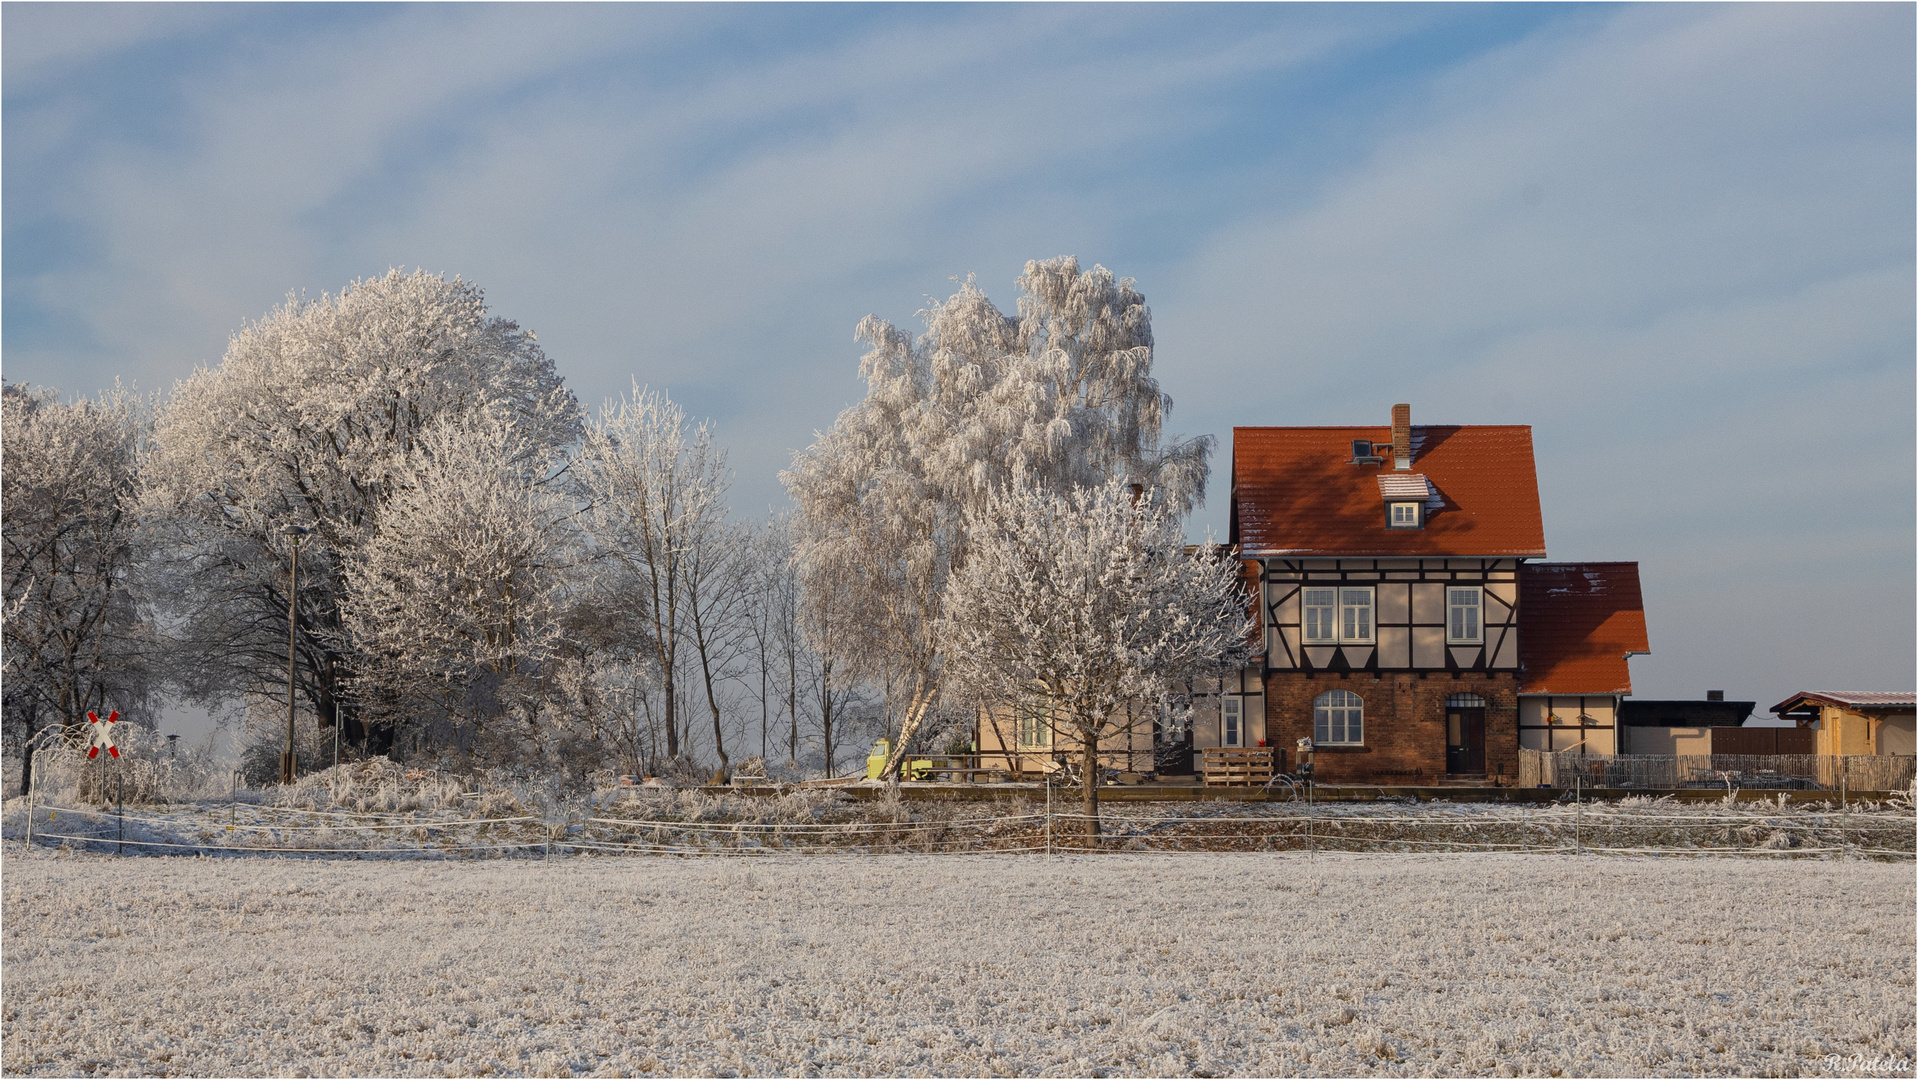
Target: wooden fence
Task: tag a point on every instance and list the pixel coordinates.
(1827, 772)
(1233, 766)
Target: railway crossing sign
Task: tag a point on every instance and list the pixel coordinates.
(102, 734)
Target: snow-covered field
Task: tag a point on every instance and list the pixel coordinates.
(1158, 964)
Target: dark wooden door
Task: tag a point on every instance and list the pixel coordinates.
(1464, 740)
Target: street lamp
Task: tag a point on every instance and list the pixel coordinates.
(293, 533)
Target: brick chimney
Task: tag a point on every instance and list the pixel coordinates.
(1401, 436)
(1714, 695)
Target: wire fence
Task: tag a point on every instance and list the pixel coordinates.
(1763, 830)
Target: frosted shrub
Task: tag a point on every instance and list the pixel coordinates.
(147, 770)
(373, 785)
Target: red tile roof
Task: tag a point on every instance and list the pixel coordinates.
(1295, 491)
(1576, 623)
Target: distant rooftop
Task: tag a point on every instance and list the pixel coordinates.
(1876, 700)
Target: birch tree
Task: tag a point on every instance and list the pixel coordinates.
(1081, 606)
(76, 637)
(307, 421)
(1057, 398)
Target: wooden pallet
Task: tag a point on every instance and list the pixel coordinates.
(1248, 766)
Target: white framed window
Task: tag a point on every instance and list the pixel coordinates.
(1355, 614)
(1407, 515)
(1035, 730)
(1231, 721)
(1464, 611)
(1338, 719)
(1337, 614)
(1321, 614)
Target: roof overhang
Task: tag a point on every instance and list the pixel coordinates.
(1807, 703)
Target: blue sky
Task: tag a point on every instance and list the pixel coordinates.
(1677, 240)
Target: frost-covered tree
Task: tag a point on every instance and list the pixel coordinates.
(307, 421)
(718, 584)
(75, 636)
(772, 595)
(655, 488)
(1058, 398)
(456, 600)
(1080, 606)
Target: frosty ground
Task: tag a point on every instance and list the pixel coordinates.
(1157, 964)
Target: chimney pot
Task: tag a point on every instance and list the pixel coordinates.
(1401, 436)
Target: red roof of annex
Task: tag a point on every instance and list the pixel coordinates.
(1581, 621)
(1297, 491)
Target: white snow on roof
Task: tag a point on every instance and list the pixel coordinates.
(1400, 486)
(1865, 697)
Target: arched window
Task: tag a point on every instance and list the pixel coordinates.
(1465, 701)
(1338, 718)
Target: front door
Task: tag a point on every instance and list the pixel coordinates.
(1464, 740)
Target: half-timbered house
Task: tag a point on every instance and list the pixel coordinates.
(1393, 566)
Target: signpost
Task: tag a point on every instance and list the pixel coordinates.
(103, 740)
(102, 734)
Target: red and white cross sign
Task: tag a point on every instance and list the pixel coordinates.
(102, 734)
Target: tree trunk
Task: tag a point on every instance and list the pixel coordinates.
(712, 704)
(1092, 780)
(925, 691)
(672, 721)
(26, 766)
(825, 712)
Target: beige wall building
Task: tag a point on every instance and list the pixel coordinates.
(1855, 721)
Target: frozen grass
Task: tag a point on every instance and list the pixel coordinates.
(362, 811)
(1257, 964)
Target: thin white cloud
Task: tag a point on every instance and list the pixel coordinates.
(1652, 232)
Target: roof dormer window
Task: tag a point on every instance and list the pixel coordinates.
(1406, 515)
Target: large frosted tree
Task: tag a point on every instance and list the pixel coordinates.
(1082, 606)
(75, 634)
(1058, 397)
(307, 421)
(456, 601)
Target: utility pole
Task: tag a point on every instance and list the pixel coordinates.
(293, 534)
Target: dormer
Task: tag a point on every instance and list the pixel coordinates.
(1407, 496)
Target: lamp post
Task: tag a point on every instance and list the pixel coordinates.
(293, 533)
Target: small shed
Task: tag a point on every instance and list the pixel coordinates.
(1855, 721)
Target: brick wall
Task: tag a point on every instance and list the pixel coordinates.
(1404, 723)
